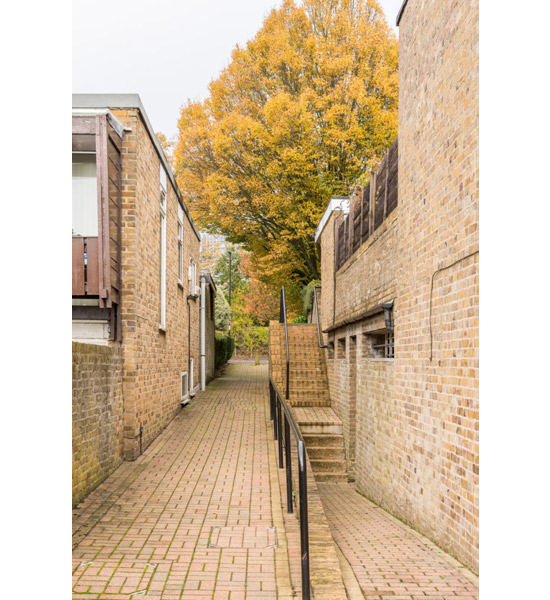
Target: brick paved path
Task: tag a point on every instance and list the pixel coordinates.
(390, 560)
(192, 517)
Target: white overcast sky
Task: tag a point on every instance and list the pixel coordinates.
(164, 50)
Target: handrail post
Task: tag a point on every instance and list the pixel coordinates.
(280, 431)
(271, 402)
(304, 535)
(321, 345)
(288, 467)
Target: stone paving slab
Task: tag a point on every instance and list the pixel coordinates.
(146, 531)
(390, 560)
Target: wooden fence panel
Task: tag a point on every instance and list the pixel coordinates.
(393, 180)
(92, 266)
(79, 288)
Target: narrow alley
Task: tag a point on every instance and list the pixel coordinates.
(200, 515)
(192, 517)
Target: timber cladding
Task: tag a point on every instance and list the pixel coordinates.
(416, 446)
(97, 415)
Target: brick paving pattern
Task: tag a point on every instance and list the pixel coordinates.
(192, 517)
(390, 560)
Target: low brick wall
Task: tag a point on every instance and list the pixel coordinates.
(97, 415)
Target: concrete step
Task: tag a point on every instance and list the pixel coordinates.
(326, 453)
(321, 428)
(325, 465)
(323, 440)
(305, 403)
(330, 477)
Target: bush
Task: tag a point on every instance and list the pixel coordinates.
(223, 349)
(299, 319)
(307, 297)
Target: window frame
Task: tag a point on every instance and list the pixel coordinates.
(162, 257)
(184, 394)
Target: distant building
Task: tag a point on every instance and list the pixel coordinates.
(212, 248)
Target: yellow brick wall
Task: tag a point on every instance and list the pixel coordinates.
(97, 415)
(417, 428)
(153, 359)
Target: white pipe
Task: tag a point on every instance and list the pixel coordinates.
(203, 334)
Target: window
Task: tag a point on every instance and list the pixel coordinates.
(184, 387)
(180, 244)
(84, 194)
(162, 257)
(331, 349)
(192, 277)
(378, 344)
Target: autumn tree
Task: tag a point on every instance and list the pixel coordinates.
(167, 146)
(298, 115)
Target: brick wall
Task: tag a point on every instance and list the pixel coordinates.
(97, 415)
(416, 429)
(153, 359)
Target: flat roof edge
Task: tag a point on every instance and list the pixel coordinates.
(335, 203)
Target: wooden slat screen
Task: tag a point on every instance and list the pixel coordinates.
(114, 191)
(341, 243)
(79, 282)
(393, 156)
(365, 197)
(356, 211)
(380, 195)
(85, 266)
(92, 266)
(366, 213)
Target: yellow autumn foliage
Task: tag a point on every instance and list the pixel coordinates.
(298, 115)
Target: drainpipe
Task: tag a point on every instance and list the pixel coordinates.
(203, 333)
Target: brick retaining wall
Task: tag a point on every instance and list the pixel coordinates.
(97, 415)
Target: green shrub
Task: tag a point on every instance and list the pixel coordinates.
(223, 349)
(307, 297)
(299, 319)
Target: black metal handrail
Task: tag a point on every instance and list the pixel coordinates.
(321, 345)
(279, 407)
(282, 319)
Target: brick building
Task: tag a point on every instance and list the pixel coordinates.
(399, 301)
(135, 288)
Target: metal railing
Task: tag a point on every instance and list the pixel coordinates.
(282, 417)
(282, 319)
(316, 301)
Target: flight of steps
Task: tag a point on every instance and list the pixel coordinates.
(309, 396)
